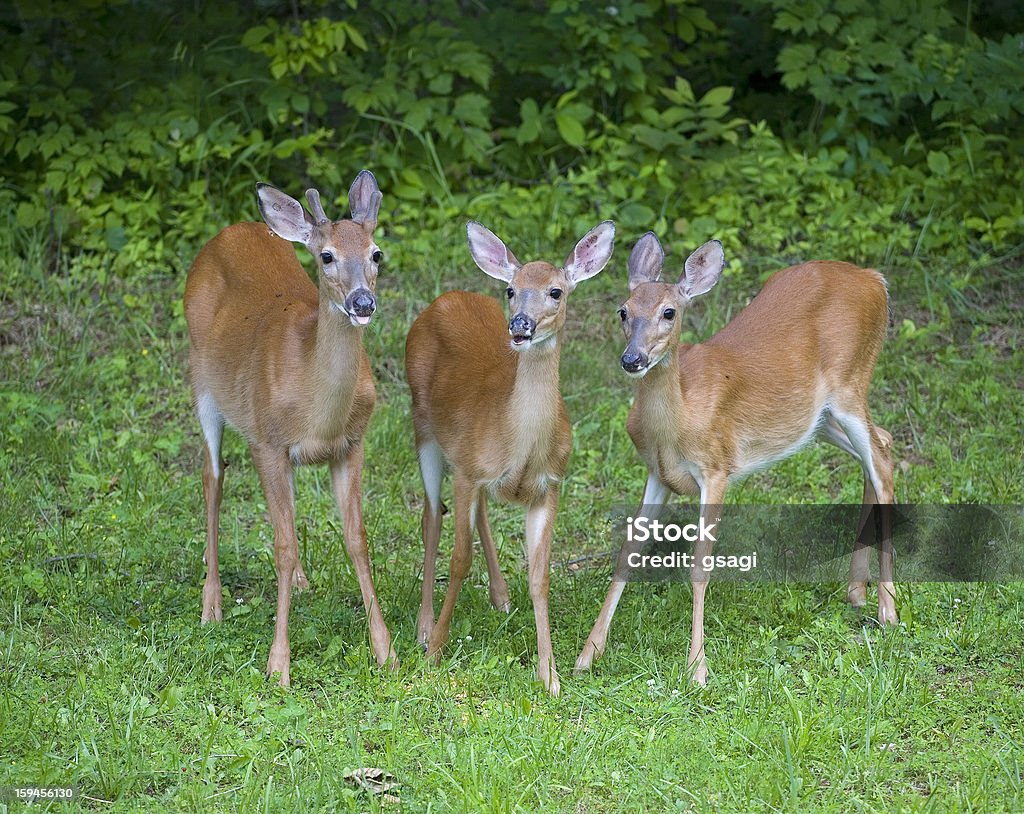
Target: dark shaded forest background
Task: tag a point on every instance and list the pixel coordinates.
(880, 132)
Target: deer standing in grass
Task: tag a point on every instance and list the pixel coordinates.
(794, 364)
(284, 364)
(490, 406)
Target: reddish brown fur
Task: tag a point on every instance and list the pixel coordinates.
(496, 415)
(284, 364)
(796, 362)
(746, 389)
(457, 358)
(253, 328)
(501, 422)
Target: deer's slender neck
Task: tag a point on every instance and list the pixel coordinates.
(535, 392)
(660, 394)
(335, 358)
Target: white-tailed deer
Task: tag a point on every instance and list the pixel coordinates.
(284, 364)
(491, 407)
(794, 364)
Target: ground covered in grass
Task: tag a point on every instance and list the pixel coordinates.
(108, 682)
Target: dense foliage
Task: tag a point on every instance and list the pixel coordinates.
(884, 129)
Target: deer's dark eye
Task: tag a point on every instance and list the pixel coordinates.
(556, 293)
(622, 314)
(377, 256)
(326, 257)
(509, 292)
(670, 313)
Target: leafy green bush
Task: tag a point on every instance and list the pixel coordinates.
(884, 69)
(136, 151)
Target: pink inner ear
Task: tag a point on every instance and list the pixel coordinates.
(646, 260)
(702, 269)
(490, 254)
(590, 255)
(491, 251)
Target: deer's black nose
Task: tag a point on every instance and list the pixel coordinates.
(633, 361)
(361, 303)
(521, 328)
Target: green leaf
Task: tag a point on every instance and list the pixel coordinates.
(681, 94)
(254, 36)
(441, 85)
(787, 21)
(717, 96)
(29, 214)
(829, 23)
(471, 108)
(794, 62)
(116, 238)
(419, 114)
(570, 129)
(565, 98)
(357, 39)
(34, 579)
(528, 131)
(407, 192)
(636, 215)
(938, 163)
(530, 128)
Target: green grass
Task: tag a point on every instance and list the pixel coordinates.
(108, 681)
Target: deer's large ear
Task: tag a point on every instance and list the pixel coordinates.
(702, 269)
(364, 197)
(489, 253)
(591, 254)
(284, 215)
(646, 261)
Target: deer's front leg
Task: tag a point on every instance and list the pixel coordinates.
(655, 495)
(275, 473)
(712, 494)
(540, 521)
(465, 494)
(346, 478)
(497, 587)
